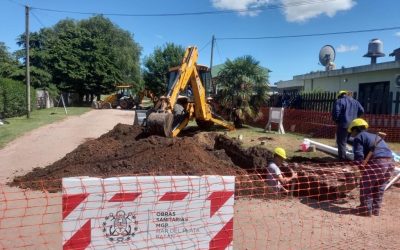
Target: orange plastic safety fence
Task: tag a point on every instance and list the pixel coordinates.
(313, 211)
(320, 124)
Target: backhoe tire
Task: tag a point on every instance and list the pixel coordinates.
(114, 104)
(106, 105)
(204, 125)
(124, 104)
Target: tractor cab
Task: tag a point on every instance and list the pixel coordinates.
(123, 91)
(205, 75)
(124, 97)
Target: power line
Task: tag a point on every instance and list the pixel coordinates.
(219, 52)
(309, 35)
(268, 7)
(37, 19)
(204, 46)
(17, 3)
(34, 15)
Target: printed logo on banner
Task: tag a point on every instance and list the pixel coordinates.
(185, 212)
(121, 227)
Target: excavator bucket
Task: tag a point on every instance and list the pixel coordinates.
(160, 124)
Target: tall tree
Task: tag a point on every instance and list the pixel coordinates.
(86, 57)
(40, 74)
(120, 50)
(65, 57)
(157, 64)
(242, 85)
(8, 64)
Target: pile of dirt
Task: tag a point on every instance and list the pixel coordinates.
(251, 158)
(127, 150)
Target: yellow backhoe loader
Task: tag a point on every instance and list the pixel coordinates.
(186, 99)
(122, 97)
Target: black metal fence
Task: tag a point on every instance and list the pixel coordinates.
(324, 101)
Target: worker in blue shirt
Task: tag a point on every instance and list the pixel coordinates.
(376, 172)
(344, 111)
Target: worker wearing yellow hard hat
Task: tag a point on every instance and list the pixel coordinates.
(280, 152)
(357, 123)
(276, 181)
(342, 92)
(376, 164)
(345, 109)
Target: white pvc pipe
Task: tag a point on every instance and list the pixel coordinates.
(349, 155)
(327, 149)
(395, 179)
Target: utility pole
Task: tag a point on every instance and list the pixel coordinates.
(27, 74)
(211, 64)
(212, 51)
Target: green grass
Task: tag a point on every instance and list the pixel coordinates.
(147, 102)
(20, 125)
(290, 141)
(252, 136)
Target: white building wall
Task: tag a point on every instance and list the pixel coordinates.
(346, 78)
(351, 82)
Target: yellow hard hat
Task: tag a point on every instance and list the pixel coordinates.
(341, 92)
(280, 152)
(356, 123)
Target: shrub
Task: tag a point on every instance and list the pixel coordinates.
(13, 98)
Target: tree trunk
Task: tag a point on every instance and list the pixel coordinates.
(80, 95)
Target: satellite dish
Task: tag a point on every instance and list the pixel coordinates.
(327, 57)
(398, 81)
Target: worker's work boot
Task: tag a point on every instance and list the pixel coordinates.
(375, 212)
(362, 211)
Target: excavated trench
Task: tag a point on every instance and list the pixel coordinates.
(127, 150)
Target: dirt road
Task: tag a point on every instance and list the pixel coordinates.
(32, 219)
(50, 143)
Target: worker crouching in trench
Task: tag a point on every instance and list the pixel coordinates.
(277, 183)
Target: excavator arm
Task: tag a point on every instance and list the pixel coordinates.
(184, 75)
(172, 116)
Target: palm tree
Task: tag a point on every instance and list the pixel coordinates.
(242, 88)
